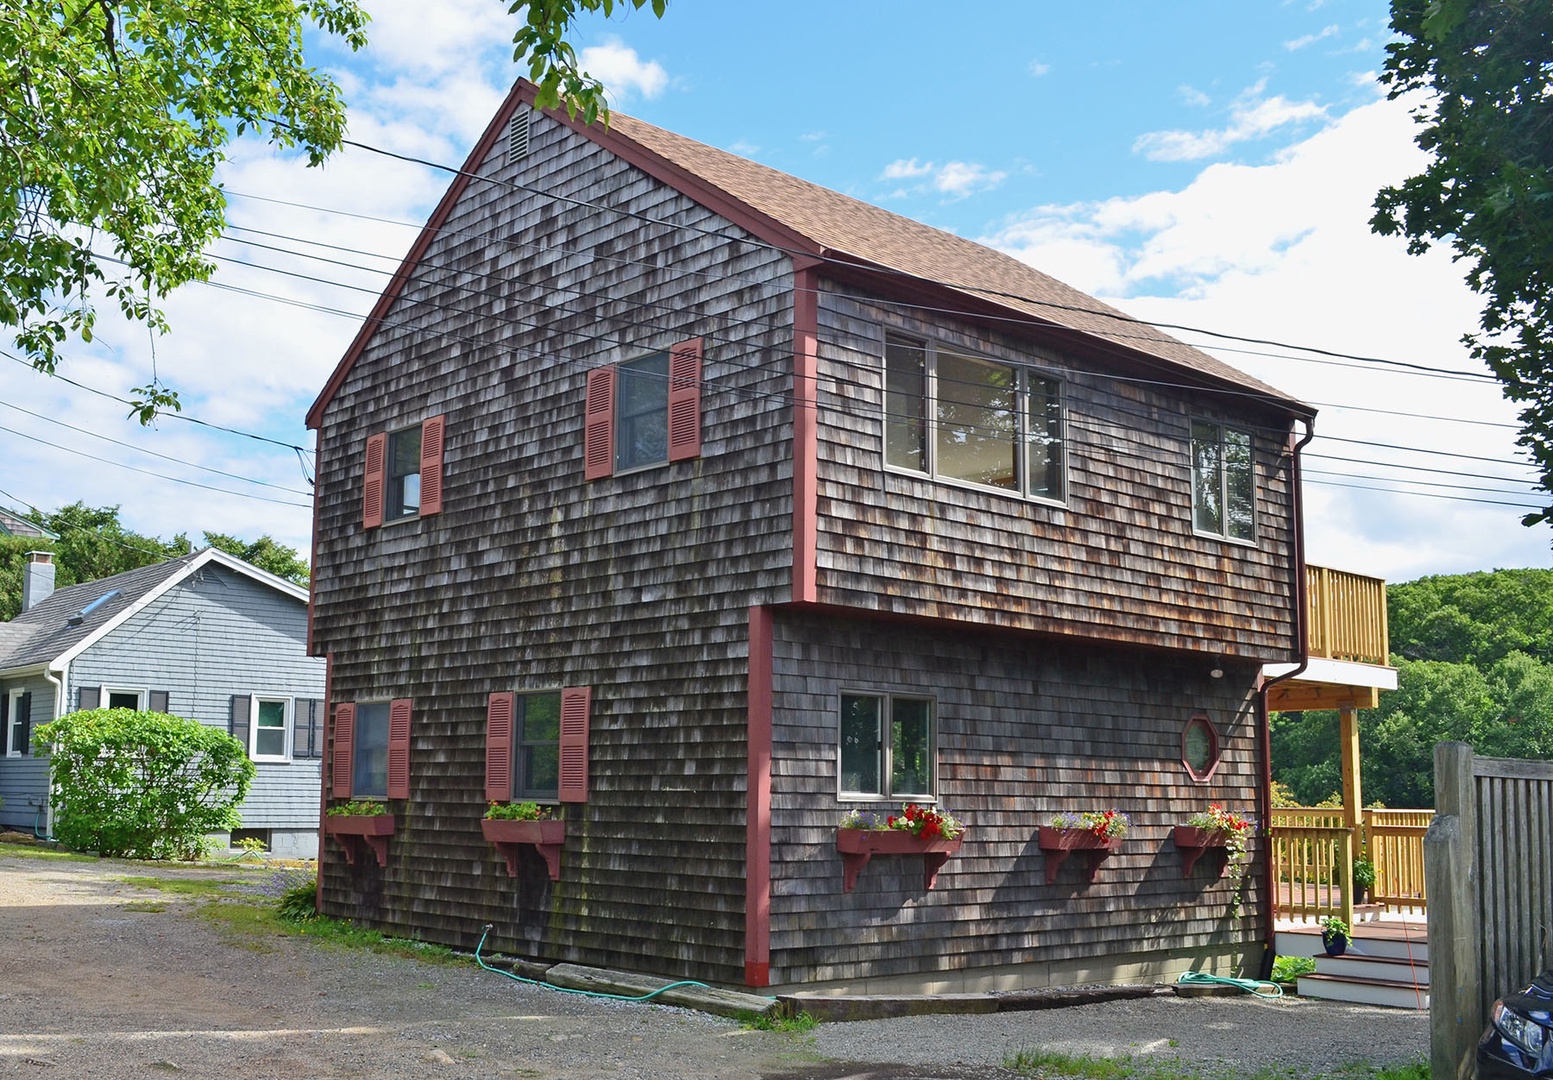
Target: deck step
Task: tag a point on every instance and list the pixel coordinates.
(1411, 947)
(1377, 969)
(1363, 991)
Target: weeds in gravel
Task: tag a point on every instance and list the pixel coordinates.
(39, 851)
(1049, 1065)
(780, 1021)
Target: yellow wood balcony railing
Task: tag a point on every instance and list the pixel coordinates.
(1347, 616)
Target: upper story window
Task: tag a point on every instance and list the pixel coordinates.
(1223, 481)
(644, 412)
(888, 746)
(972, 420)
(403, 473)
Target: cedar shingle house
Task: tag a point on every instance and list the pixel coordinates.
(707, 504)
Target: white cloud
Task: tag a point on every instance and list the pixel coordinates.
(1310, 39)
(622, 72)
(1192, 96)
(955, 179)
(1251, 117)
(744, 148)
(1283, 252)
(1038, 69)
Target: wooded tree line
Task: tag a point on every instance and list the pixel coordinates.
(94, 544)
(1474, 659)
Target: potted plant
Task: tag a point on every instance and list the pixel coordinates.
(1334, 935)
(360, 821)
(1097, 833)
(509, 825)
(862, 834)
(1363, 879)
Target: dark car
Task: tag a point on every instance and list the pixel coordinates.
(1519, 1040)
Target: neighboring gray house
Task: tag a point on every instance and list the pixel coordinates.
(206, 636)
(13, 524)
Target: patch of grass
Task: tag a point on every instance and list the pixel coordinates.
(196, 888)
(38, 851)
(1050, 1065)
(150, 906)
(779, 1020)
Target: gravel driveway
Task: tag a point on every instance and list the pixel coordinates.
(96, 981)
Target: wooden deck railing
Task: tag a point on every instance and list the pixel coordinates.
(1313, 854)
(1347, 616)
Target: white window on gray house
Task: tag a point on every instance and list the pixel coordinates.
(269, 728)
(17, 723)
(973, 420)
(1223, 481)
(369, 751)
(403, 495)
(114, 698)
(888, 746)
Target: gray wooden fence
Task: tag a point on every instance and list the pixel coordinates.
(1488, 858)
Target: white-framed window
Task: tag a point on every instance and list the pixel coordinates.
(118, 697)
(269, 728)
(971, 420)
(888, 746)
(17, 722)
(1223, 481)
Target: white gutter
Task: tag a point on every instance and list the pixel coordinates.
(59, 703)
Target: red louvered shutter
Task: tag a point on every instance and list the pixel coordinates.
(376, 477)
(431, 465)
(576, 703)
(685, 400)
(344, 744)
(598, 432)
(498, 747)
(399, 748)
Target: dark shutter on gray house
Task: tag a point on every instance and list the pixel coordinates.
(156, 700)
(23, 723)
(88, 697)
(237, 720)
(5, 724)
(307, 734)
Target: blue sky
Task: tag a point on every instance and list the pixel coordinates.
(1204, 164)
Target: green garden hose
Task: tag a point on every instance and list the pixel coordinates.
(1250, 986)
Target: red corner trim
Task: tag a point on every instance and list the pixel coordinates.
(312, 582)
(757, 842)
(805, 435)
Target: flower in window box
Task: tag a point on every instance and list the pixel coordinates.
(1095, 832)
(926, 823)
(934, 834)
(1106, 824)
(1217, 827)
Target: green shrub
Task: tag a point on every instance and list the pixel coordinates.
(1290, 968)
(142, 785)
(298, 898)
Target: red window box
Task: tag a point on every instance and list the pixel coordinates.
(546, 837)
(351, 830)
(1060, 843)
(1195, 842)
(857, 846)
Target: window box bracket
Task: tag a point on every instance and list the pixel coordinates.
(351, 831)
(857, 846)
(545, 837)
(1058, 844)
(1195, 843)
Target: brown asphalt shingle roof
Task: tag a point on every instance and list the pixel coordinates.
(848, 228)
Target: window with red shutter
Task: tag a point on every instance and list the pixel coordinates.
(399, 748)
(576, 705)
(431, 465)
(372, 485)
(599, 424)
(342, 759)
(498, 747)
(685, 400)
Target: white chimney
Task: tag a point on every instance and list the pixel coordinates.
(37, 579)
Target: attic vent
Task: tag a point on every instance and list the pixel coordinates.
(517, 135)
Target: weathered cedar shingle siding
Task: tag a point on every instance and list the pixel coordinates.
(636, 586)
(1118, 561)
(1027, 729)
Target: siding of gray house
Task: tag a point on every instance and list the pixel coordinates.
(24, 780)
(213, 635)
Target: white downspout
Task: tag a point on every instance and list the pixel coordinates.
(59, 710)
